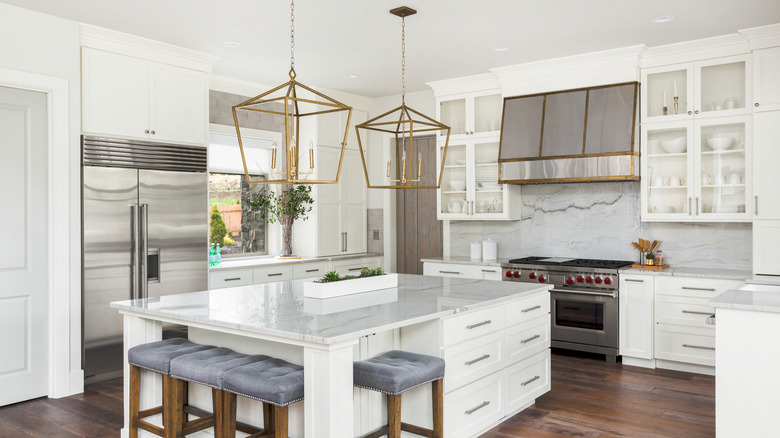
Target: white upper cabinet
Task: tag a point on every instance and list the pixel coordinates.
(124, 96)
(766, 167)
(471, 114)
(712, 88)
(766, 79)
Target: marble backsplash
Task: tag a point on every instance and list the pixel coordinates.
(600, 220)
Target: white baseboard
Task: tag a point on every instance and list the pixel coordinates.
(686, 367)
(637, 362)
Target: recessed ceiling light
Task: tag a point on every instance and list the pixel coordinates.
(662, 19)
(232, 44)
(501, 48)
(352, 76)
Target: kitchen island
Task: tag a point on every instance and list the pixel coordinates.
(505, 326)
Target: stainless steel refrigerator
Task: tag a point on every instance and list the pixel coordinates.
(145, 234)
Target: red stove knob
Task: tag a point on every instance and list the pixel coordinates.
(580, 279)
(508, 274)
(569, 280)
(517, 274)
(588, 279)
(607, 280)
(598, 280)
(532, 275)
(541, 279)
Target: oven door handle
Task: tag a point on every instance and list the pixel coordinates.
(582, 292)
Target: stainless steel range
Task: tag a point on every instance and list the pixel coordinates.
(583, 303)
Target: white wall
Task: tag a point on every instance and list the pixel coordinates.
(46, 45)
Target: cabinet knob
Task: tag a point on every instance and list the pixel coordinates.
(689, 113)
(152, 132)
(756, 104)
(146, 131)
(696, 112)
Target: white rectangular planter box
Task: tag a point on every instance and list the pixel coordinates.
(349, 287)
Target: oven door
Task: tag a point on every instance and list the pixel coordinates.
(585, 317)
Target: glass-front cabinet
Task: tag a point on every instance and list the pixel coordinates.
(471, 114)
(697, 171)
(469, 188)
(712, 88)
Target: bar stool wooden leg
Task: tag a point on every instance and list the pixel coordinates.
(135, 399)
(280, 421)
(268, 417)
(225, 409)
(437, 388)
(394, 416)
(173, 406)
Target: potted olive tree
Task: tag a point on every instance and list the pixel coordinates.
(287, 205)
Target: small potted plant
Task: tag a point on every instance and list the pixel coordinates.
(333, 285)
(291, 203)
(650, 259)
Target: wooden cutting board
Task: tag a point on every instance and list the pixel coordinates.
(650, 267)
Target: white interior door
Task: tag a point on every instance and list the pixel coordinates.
(23, 261)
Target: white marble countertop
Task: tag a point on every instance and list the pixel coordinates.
(466, 261)
(280, 309)
(252, 262)
(724, 274)
(756, 297)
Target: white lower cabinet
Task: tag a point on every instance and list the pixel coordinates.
(268, 274)
(766, 247)
(473, 359)
(527, 380)
(458, 270)
(636, 316)
(353, 266)
(230, 278)
(691, 345)
(474, 407)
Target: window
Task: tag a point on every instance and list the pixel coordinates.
(244, 230)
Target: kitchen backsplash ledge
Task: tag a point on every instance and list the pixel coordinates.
(600, 220)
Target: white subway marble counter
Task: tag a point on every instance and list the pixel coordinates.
(723, 274)
(280, 310)
(755, 297)
(466, 261)
(251, 262)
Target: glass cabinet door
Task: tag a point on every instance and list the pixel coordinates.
(487, 113)
(454, 180)
(721, 87)
(667, 169)
(488, 193)
(453, 114)
(659, 91)
(722, 166)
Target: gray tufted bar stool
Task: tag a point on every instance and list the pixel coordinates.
(207, 367)
(395, 372)
(157, 357)
(274, 382)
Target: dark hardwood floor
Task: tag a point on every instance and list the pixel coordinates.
(589, 399)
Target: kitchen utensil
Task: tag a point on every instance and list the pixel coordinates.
(654, 245)
(675, 145)
(636, 246)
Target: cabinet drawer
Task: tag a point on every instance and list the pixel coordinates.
(528, 309)
(526, 339)
(453, 270)
(694, 287)
(474, 407)
(473, 360)
(490, 273)
(684, 311)
(268, 274)
(310, 270)
(353, 266)
(685, 344)
(527, 380)
(233, 277)
(470, 325)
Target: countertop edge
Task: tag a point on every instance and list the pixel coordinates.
(756, 301)
(258, 262)
(691, 272)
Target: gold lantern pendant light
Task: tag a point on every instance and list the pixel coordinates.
(404, 123)
(295, 102)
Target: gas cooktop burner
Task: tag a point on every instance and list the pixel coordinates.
(580, 263)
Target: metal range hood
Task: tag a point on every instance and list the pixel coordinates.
(580, 135)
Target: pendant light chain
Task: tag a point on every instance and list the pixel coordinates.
(403, 59)
(292, 38)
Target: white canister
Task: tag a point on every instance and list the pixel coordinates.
(489, 249)
(476, 250)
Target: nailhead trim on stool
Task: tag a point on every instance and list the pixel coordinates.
(156, 357)
(395, 372)
(274, 382)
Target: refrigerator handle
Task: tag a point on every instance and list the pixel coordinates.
(135, 253)
(143, 279)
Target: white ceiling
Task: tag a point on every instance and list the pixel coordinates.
(446, 39)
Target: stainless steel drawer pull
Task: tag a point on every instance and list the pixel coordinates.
(488, 270)
(479, 324)
(357, 269)
(472, 362)
(449, 272)
(530, 339)
(276, 274)
(472, 410)
(699, 347)
(233, 279)
(312, 270)
(697, 313)
(708, 289)
(531, 308)
(529, 381)
(634, 281)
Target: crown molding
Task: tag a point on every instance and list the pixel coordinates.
(696, 50)
(762, 37)
(465, 84)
